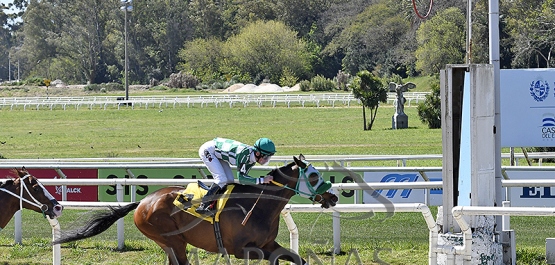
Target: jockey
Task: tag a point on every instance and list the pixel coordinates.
(220, 154)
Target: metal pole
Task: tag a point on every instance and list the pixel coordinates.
(9, 69)
(495, 60)
(469, 31)
(126, 64)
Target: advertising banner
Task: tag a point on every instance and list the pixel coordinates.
(527, 103)
(74, 193)
(402, 195)
(531, 196)
(108, 193)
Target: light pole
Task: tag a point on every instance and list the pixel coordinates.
(127, 5)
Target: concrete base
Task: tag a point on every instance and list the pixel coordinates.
(550, 250)
(399, 121)
(485, 248)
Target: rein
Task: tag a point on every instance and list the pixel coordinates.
(42, 207)
(302, 176)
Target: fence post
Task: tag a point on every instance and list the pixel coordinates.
(120, 222)
(18, 233)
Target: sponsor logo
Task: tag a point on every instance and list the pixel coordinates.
(548, 126)
(69, 190)
(536, 192)
(539, 90)
(397, 178)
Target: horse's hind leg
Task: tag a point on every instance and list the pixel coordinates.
(172, 257)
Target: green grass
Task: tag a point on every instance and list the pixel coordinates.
(179, 132)
(423, 83)
(402, 239)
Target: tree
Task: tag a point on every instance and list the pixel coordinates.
(429, 111)
(372, 39)
(441, 41)
(370, 91)
(264, 50)
(4, 44)
(202, 58)
(533, 34)
(157, 31)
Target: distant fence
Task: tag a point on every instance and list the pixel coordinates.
(215, 100)
(342, 160)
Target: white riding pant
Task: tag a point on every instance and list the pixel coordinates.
(220, 169)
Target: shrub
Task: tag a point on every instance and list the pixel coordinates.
(304, 85)
(320, 83)
(104, 87)
(429, 111)
(34, 81)
(114, 87)
(288, 78)
(92, 88)
(217, 85)
(183, 80)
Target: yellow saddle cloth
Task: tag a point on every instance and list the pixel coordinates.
(189, 199)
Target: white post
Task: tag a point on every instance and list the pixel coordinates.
(18, 233)
(133, 187)
(64, 187)
(120, 223)
(336, 223)
(56, 249)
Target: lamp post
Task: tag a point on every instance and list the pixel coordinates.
(127, 5)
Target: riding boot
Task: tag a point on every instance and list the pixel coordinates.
(207, 200)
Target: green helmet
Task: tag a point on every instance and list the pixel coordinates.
(265, 146)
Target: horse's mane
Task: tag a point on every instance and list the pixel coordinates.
(10, 178)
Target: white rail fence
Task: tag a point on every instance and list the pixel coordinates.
(216, 100)
(435, 248)
(342, 160)
(192, 163)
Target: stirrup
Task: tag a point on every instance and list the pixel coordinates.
(205, 208)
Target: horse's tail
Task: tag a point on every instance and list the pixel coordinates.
(98, 224)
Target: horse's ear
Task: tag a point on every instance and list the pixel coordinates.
(301, 157)
(299, 161)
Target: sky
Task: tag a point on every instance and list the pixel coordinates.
(6, 2)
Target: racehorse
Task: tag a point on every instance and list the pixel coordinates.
(247, 235)
(25, 191)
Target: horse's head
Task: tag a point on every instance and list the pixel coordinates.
(309, 183)
(34, 195)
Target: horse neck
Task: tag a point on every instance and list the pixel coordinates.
(283, 193)
(10, 205)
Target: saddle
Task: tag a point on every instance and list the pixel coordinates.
(189, 199)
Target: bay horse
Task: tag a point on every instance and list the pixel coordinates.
(247, 235)
(25, 191)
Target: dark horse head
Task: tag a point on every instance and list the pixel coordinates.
(27, 190)
(305, 181)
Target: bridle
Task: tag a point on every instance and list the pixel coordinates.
(36, 203)
(304, 188)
